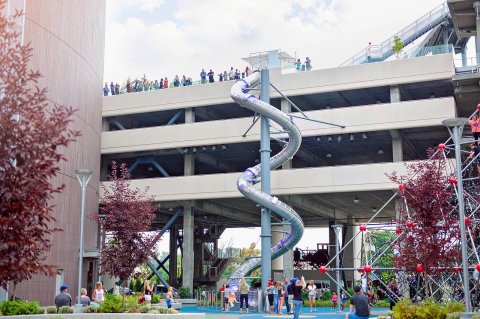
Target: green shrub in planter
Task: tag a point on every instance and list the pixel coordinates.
(90, 309)
(156, 299)
(455, 315)
(19, 307)
(41, 310)
(428, 309)
(162, 310)
(171, 311)
(65, 309)
(112, 304)
(133, 308)
(51, 310)
(144, 308)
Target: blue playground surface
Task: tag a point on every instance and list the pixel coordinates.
(321, 313)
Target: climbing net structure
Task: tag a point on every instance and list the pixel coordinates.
(423, 244)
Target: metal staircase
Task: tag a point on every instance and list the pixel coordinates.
(381, 52)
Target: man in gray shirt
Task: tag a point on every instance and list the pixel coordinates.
(63, 298)
(285, 285)
(360, 302)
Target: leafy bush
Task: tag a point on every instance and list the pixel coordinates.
(112, 304)
(184, 292)
(19, 307)
(65, 309)
(51, 310)
(90, 309)
(171, 311)
(428, 309)
(41, 310)
(156, 299)
(455, 315)
(385, 303)
(326, 295)
(144, 309)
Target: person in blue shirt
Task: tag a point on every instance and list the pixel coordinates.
(105, 90)
(112, 88)
(203, 76)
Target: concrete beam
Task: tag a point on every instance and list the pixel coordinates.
(397, 145)
(313, 206)
(229, 212)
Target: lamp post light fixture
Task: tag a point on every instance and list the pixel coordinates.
(83, 176)
(455, 128)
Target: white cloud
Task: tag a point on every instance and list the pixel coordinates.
(217, 34)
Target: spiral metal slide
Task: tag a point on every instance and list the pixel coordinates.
(240, 94)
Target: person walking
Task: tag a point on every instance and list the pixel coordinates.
(169, 297)
(475, 127)
(244, 288)
(285, 285)
(224, 296)
(98, 294)
(334, 300)
(147, 292)
(84, 299)
(393, 293)
(63, 298)
(312, 294)
(297, 287)
(359, 303)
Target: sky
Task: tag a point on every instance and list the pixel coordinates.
(161, 38)
(164, 38)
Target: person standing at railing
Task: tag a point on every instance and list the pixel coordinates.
(203, 77)
(308, 64)
(285, 285)
(298, 65)
(475, 126)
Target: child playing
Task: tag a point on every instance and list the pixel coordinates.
(343, 299)
(231, 300)
(334, 301)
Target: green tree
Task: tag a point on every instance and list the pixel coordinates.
(397, 45)
(381, 240)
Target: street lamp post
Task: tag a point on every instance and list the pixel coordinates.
(455, 127)
(83, 176)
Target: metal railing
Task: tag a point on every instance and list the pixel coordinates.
(209, 300)
(380, 52)
(467, 65)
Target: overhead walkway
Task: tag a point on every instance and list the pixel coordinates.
(433, 19)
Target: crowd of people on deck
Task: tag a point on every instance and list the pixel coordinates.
(144, 84)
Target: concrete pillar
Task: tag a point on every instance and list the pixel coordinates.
(332, 251)
(277, 235)
(189, 115)
(286, 107)
(189, 164)
(105, 125)
(188, 252)
(397, 145)
(288, 258)
(172, 262)
(464, 55)
(397, 149)
(349, 252)
(357, 250)
(395, 95)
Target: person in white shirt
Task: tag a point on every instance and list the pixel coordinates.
(312, 294)
(98, 294)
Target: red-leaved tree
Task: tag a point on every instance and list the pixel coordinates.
(429, 224)
(126, 215)
(33, 136)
